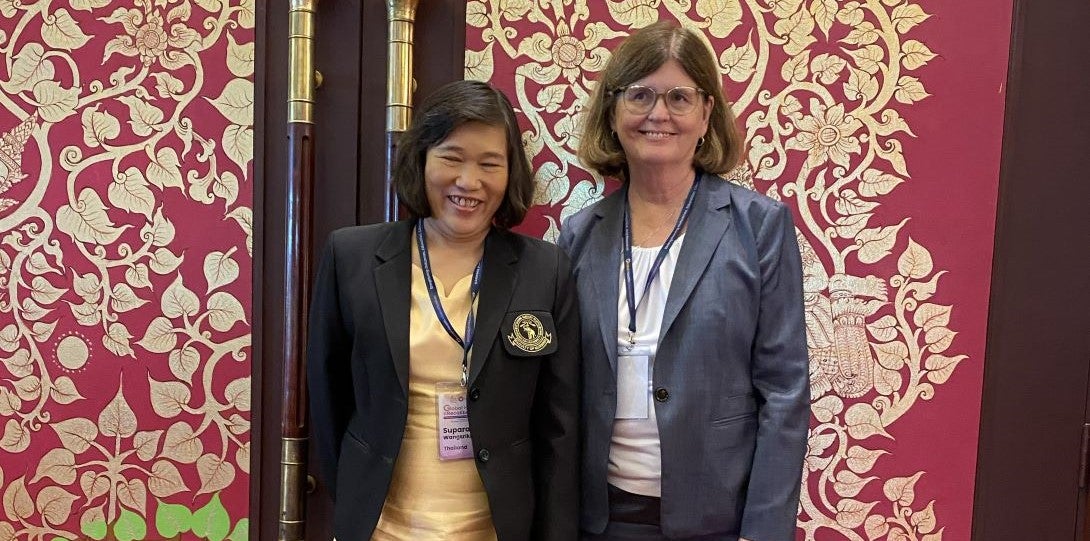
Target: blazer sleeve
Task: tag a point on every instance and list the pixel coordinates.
(780, 376)
(329, 378)
(555, 420)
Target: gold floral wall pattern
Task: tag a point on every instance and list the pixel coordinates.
(126, 145)
(828, 92)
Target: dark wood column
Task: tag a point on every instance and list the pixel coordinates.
(1038, 351)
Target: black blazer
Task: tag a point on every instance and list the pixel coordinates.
(524, 407)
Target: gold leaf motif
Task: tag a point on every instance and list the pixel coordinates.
(9, 338)
(130, 191)
(827, 408)
(184, 362)
(476, 14)
(215, 473)
(875, 527)
(797, 30)
(887, 381)
(851, 513)
(863, 421)
(861, 460)
(165, 480)
(167, 85)
(146, 444)
(55, 103)
(64, 391)
(179, 301)
(137, 276)
(86, 221)
(848, 203)
(98, 127)
(244, 216)
(124, 299)
(236, 102)
(901, 490)
(828, 67)
(143, 117)
(164, 170)
(88, 5)
(168, 398)
(237, 393)
(929, 316)
(86, 314)
(7, 532)
(722, 16)
(891, 355)
(915, 261)
(240, 57)
(76, 434)
(634, 13)
(134, 495)
(909, 90)
(32, 311)
(29, 68)
(739, 63)
(247, 14)
(159, 337)
(915, 55)
(875, 183)
(220, 269)
(940, 367)
(43, 292)
(9, 402)
(87, 286)
(550, 184)
(61, 31)
(906, 16)
(116, 340)
(117, 418)
(860, 86)
(93, 484)
(824, 12)
(17, 503)
(795, 68)
(238, 424)
(58, 465)
(28, 388)
(862, 34)
(479, 64)
(224, 311)
(924, 519)
(160, 231)
(848, 484)
(55, 505)
(163, 261)
(875, 244)
(16, 439)
(242, 457)
(868, 58)
(182, 444)
(238, 143)
(849, 226)
(938, 339)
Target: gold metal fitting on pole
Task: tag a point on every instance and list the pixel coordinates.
(301, 23)
(292, 474)
(401, 14)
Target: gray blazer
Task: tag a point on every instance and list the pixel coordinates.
(731, 373)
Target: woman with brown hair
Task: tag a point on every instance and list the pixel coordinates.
(695, 387)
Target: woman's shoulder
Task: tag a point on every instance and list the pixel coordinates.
(364, 238)
(744, 196)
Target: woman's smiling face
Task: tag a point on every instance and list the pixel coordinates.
(660, 137)
(465, 178)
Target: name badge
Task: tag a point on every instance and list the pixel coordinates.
(455, 441)
(633, 388)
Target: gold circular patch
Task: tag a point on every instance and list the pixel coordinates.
(528, 334)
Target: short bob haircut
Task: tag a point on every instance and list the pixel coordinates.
(441, 113)
(639, 55)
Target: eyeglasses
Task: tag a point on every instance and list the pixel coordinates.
(640, 100)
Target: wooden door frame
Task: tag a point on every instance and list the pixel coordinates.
(1037, 361)
(349, 137)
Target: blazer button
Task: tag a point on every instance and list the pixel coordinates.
(483, 455)
(661, 394)
(474, 393)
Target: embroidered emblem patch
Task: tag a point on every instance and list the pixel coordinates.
(528, 334)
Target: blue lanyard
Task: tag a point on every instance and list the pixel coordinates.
(629, 279)
(437, 305)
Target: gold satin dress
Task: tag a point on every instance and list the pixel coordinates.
(430, 499)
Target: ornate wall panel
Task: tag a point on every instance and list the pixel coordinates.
(125, 256)
(879, 122)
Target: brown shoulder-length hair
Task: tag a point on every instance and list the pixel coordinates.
(639, 55)
(450, 106)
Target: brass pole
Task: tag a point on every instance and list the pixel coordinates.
(297, 247)
(401, 15)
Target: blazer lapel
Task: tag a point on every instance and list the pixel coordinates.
(393, 281)
(497, 287)
(604, 251)
(707, 225)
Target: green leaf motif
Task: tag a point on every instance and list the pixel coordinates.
(211, 521)
(172, 519)
(130, 526)
(242, 531)
(96, 529)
